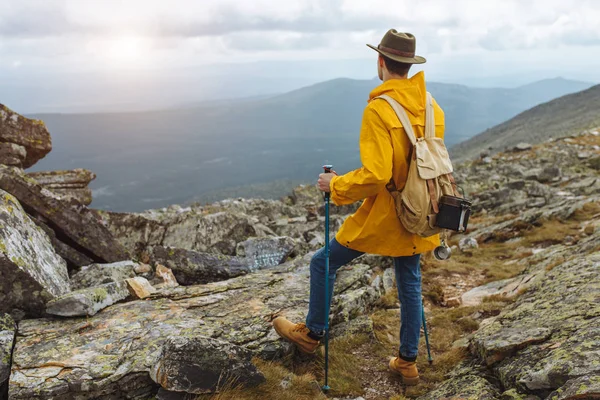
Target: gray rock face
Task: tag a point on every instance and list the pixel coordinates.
(31, 273)
(506, 288)
(67, 184)
(30, 134)
(99, 274)
(77, 223)
(87, 302)
(7, 337)
(266, 252)
(12, 154)
(191, 267)
(522, 147)
(110, 354)
(203, 365)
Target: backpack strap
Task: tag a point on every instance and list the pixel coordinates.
(429, 118)
(402, 116)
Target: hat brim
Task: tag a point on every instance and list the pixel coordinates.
(406, 60)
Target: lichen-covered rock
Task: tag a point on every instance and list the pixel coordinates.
(30, 134)
(465, 387)
(584, 387)
(75, 222)
(31, 273)
(87, 302)
(266, 252)
(551, 335)
(7, 336)
(72, 256)
(99, 274)
(204, 365)
(192, 267)
(109, 354)
(67, 184)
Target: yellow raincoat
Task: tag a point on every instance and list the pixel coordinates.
(384, 152)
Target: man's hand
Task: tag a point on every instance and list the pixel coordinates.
(324, 181)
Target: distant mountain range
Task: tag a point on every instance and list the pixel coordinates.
(152, 159)
(560, 117)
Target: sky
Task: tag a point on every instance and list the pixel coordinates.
(86, 55)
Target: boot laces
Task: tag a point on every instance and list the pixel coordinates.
(299, 327)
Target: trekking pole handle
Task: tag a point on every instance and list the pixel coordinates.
(328, 169)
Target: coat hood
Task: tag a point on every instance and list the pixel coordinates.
(410, 93)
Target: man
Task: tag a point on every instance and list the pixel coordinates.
(385, 153)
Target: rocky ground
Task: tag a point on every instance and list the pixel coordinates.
(177, 303)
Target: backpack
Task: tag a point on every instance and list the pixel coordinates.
(430, 200)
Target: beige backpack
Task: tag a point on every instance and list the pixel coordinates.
(429, 175)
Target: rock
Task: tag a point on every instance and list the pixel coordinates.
(550, 335)
(468, 387)
(516, 185)
(110, 354)
(67, 184)
(266, 252)
(549, 174)
(31, 273)
(166, 277)
(487, 160)
(30, 134)
(191, 267)
(584, 155)
(584, 387)
(522, 147)
(168, 395)
(139, 287)
(453, 302)
(362, 325)
(204, 365)
(213, 233)
(8, 331)
(307, 195)
(467, 243)
(87, 302)
(389, 280)
(99, 274)
(12, 154)
(76, 223)
(506, 288)
(143, 269)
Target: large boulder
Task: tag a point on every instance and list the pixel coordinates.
(110, 354)
(30, 136)
(74, 222)
(87, 302)
(31, 273)
(67, 184)
(266, 252)
(7, 337)
(204, 365)
(99, 274)
(192, 267)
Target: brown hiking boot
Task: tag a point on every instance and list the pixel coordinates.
(296, 333)
(406, 369)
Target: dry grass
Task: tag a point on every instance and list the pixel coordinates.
(301, 386)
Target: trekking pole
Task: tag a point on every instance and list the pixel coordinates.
(426, 335)
(327, 169)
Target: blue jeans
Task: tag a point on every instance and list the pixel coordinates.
(408, 280)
